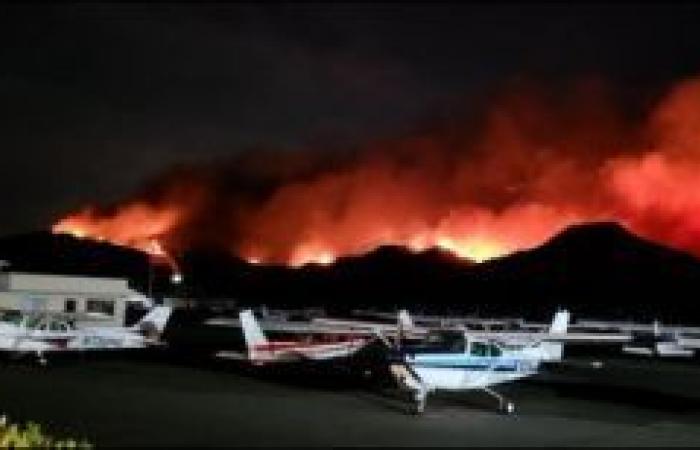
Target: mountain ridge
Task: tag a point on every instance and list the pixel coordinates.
(597, 269)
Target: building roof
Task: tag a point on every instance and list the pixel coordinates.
(52, 283)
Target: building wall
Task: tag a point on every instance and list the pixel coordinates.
(13, 281)
(50, 293)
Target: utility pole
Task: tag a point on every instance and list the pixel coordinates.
(150, 279)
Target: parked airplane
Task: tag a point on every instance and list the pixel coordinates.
(261, 350)
(42, 333)
(636, 339)
(457, 361)
(651, 340)
(401, 327)
(660, 344)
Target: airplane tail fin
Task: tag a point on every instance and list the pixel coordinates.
(553, 351)
(252, 332)
(155, 320)
(405, 321)
(560, 324)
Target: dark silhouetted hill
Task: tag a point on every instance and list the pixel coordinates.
(44, 252)
(598, 270)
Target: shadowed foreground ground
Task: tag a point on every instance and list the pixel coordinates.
(121, 402)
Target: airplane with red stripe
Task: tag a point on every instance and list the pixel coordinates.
(261, 350)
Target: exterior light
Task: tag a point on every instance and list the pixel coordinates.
(176, 278)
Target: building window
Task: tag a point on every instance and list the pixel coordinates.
(70, 305)
(98, 305)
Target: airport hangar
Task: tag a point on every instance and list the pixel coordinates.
(102, 300)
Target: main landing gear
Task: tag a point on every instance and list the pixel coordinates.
(41, 359)
(420, 397)
(505, 406)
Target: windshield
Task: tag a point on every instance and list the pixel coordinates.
(47, 323)
(13, 317)
(441, 342)
(33, 322)
(484, 349)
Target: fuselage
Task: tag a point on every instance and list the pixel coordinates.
(47, 334)
(453, 361)
(461, 371)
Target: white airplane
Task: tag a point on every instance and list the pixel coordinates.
(628, 326)
(42, 333)
(455, 360)
(356, 324)
(639, 339)
(659, 343)
(333, 344)
(403, 326)
(406, 329)
(635, 339)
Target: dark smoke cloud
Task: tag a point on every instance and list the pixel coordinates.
(97, 99)
(534, 162)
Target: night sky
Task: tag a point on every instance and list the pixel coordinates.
(95, 99)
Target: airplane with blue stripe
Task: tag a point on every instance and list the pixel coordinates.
(455, 360)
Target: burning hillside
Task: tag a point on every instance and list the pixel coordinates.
(531, 166)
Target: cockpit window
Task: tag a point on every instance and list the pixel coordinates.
(440, 342)
(479, 349)
(47, 323)
(14, 317)
(484, 349)
(56, 326)
(33, 323)
(511, 346)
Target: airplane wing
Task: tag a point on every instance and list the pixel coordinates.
(366, 327)
(579, 335)
(328, 326)
(630, 327)
(582, 338)
(690, 343)
(232, 355)
(341, 326)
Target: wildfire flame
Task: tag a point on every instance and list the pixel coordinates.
(137, 226)
(533, 167)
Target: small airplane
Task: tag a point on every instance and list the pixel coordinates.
(659, 343)
(634, 339)
(44, 332)
(316, 345)
(454, 360)
(401, 328)
(639, 339)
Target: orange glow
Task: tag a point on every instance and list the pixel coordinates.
(475, 250)
(310, 255)
(531, 168)
(137, 225)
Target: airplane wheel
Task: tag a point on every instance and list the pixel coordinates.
(417, 408)
(418, 405)
(508, 408)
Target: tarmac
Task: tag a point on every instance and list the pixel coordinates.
(121, 401)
